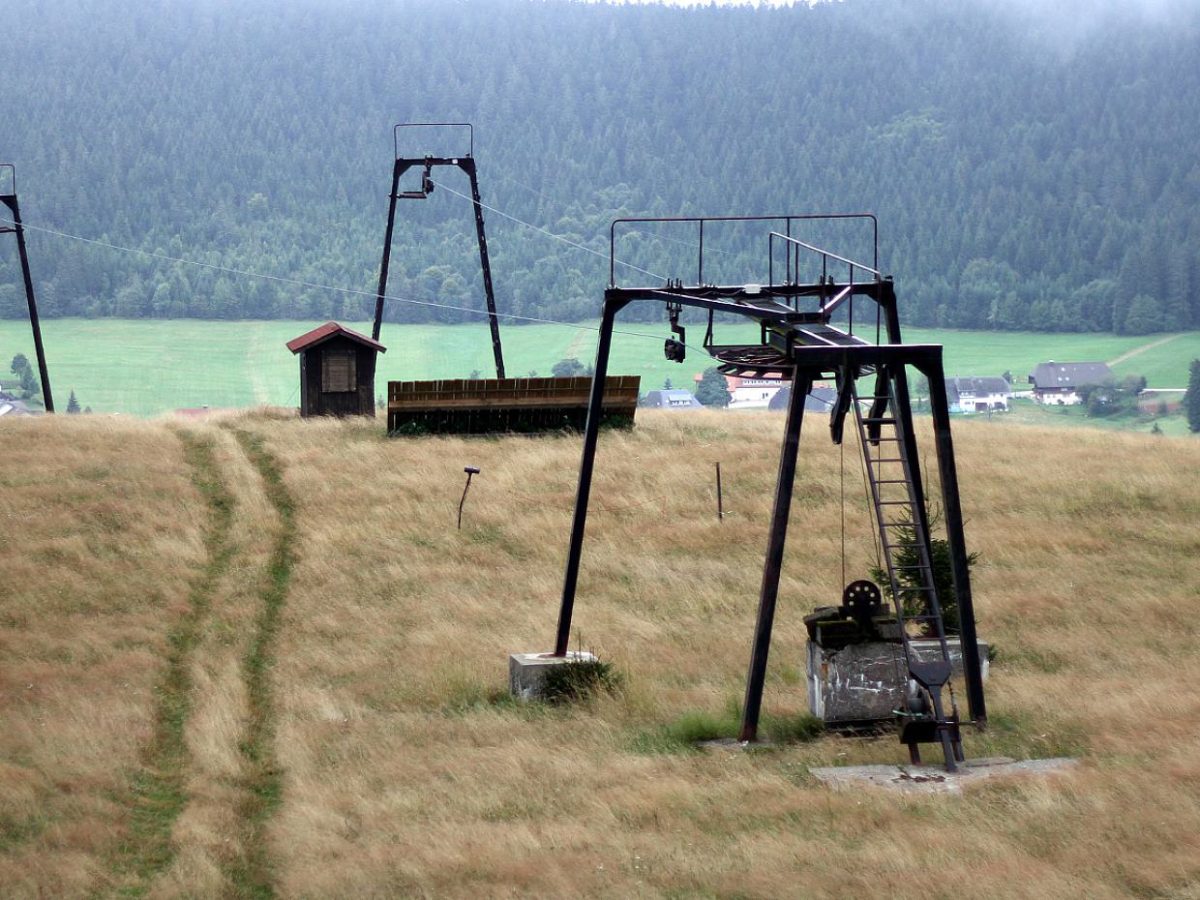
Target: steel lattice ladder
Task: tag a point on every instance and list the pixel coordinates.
(892, 475)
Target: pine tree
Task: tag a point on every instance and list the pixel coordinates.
(1191, 400)
(712, 389)
(73, 404)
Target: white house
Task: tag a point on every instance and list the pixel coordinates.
(977, 394)
(1058, 383)
(751, 393)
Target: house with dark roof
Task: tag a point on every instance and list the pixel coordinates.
(673, 399)
(1058, 384)
(977, 394)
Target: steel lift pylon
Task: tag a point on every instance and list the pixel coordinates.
(427, 164)
(799, 342)
(14, 208)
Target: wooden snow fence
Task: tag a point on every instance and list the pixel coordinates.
(498, 405)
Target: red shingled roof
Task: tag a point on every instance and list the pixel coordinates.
(325, 332)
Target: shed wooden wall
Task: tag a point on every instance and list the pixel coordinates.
(316, 402)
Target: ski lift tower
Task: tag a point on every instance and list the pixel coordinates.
(8, 196)
(798, 340)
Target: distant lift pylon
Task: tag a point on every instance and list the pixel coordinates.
(427, 164)
(14, 207)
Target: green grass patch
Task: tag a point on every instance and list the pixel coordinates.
(187, 363)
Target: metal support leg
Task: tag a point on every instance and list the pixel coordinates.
(485, 265)
(801, 384)
(10, 200)
(972, 669)
(397, 170)
(590, 433)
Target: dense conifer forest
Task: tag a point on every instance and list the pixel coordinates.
(1030, 169)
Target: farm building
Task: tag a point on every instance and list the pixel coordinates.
(1059, 383)
(1161, 400)
(337, 371)
(670, 400)
(977, 394)
(750, 393)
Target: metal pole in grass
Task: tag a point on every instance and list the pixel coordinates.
(720, 499)
(470, 470)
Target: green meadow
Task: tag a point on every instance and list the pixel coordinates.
(155, 366)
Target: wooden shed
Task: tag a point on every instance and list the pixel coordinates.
(337, 371)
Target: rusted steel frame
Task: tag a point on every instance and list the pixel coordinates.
(613, 303)
(10, 200)
(773, 565)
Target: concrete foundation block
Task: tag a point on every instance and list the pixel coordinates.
(527, 671)
(862, 683)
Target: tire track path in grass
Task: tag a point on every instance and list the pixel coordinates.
(1138, 351)
(252, 875)
(159, 788)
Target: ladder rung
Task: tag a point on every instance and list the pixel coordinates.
(887, 460)
(895, 503)
(892, 481)
(878, 421)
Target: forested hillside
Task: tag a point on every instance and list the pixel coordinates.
(1030, 170)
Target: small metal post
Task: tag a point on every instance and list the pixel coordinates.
(590, 432)
(801, 385)
(720, 500)
(470, 470)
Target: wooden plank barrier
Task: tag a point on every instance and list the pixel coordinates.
(492, 405)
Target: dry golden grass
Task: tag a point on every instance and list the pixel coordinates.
(405, 772)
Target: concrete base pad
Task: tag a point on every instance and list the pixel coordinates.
(934, 779)
(527, 671)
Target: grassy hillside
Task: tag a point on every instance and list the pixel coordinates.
(254, 656)
(153, 366)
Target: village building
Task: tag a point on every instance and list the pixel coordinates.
(670, 399)
(1058, 384)
(750, 393)
(819, 400)
(976, 394)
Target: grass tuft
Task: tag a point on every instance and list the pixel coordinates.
(580, 680)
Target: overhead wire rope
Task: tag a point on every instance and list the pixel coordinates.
(297, 282)
(550, 234)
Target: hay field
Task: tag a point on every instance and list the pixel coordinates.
(253, 657)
